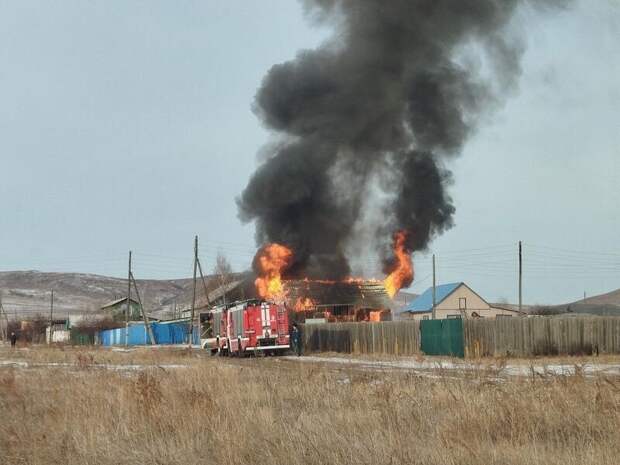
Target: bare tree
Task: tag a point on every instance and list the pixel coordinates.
(33, 330)
(222, 270)
(546, 310)
(93, 324)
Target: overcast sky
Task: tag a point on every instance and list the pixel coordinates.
(128, 125)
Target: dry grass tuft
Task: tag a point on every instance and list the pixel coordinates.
(278, 412)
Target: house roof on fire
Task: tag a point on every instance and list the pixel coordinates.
(424, 302)
(361, 294)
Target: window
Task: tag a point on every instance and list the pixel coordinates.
(462, 303)
(503, 316)
(453, 316)
(425, 317)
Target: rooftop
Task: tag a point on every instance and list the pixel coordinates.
(117, 301)
(424, 302)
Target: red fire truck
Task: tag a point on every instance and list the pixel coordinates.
(245, 327)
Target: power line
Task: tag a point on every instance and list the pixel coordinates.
(574, 251)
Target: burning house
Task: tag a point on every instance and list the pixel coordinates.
(352, 300)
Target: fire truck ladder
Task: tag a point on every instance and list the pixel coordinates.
(280, 322)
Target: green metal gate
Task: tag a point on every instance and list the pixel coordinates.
(442, 337)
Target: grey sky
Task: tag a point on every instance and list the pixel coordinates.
(128, 125)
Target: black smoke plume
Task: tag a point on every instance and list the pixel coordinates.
(389, 96)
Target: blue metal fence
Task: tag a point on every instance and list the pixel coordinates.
(164, 333)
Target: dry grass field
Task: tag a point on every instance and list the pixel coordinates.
(66, 407)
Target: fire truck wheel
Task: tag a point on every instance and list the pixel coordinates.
(229, 351)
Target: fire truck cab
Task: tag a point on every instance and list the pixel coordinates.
(249, 326)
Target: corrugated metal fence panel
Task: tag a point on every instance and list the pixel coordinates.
(442, 337)
(389, 337)
(111, 337)
(118, 336)
(164, 333)
(137, 335)
(526, 337)
(171, 333)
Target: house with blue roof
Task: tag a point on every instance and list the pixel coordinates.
(453, 300)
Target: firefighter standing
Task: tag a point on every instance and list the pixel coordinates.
(296, 339)
(13, 339)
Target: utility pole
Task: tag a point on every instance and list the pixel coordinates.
(145, 318)
(434, 285)
(204, 283)
(51, 317)
(128, 301)
(5, 329)
(206, 290)
(191, 322)
(520, 276)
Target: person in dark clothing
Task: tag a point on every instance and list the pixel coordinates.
(296, 339)
(13, 339)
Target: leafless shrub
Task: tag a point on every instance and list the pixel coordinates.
(147, 391)
(545, 310)
(84, 360)
(92, 325)
(31, 330)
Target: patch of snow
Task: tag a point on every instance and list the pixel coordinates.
(101, 366)
(588, 369)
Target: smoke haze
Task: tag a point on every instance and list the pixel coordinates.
(381, 105)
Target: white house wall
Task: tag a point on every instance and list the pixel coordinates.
(59, 335)
(473, 301)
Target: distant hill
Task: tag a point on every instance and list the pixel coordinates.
(607, 304)
(28, 292)
(610, 298)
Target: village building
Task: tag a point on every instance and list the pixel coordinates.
(116, 309)
(454, 300)
(58, 332)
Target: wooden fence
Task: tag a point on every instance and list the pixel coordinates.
(534, 336)
(388, 337)
(522, 337)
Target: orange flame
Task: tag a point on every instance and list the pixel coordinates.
(305, 303)
(402, 273)
(271, 261)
